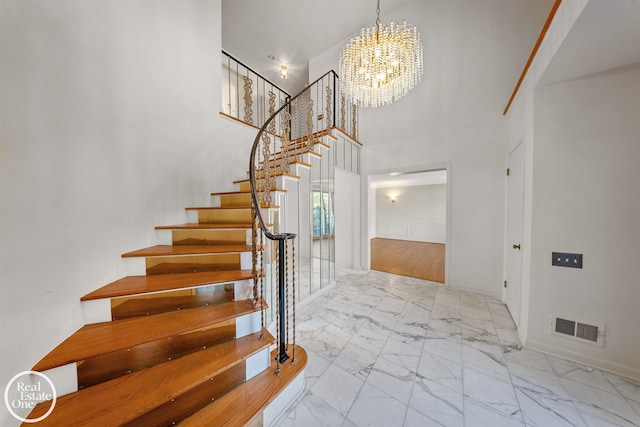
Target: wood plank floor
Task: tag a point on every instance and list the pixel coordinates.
(413, 259)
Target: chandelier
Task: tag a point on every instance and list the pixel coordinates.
(381, 64)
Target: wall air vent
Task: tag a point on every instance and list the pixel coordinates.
(587, 332)
(576, 330)
(564, 326)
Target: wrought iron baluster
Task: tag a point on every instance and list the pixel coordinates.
(293, 273)
(354, 127)
(248, 99)
(343, 125)
(328, 119)
(309, 120)
(286, 290)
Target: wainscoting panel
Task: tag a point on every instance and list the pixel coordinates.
(419, 232)
(390, 230)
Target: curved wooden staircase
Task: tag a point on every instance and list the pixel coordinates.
(178, 342)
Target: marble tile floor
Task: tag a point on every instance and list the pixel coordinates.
(386, 350)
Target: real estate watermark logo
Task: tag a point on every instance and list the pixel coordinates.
(25, 391)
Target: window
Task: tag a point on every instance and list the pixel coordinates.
(322, 214)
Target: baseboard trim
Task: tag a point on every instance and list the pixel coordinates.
(474, 290)
(594, 362)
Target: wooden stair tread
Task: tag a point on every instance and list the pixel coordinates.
(231, 208)
(294, 152)
(303, 140)
(133, 285)
(275, 168)
(123, 399)
(245, 402)
(137, 307)
(167, 250)
(233, 193)
(199, 226)
(275, 174)
(101, 338)
(292, 162)
(242, 181)
(296, 162)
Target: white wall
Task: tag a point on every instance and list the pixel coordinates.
(419, 213)
(454, 117)
(109, 126)
(521, 128)
(580, 131)
(586, 200)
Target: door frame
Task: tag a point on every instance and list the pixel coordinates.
(508, 244)
(369, 195)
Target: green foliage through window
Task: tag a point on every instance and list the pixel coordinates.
(322, 214)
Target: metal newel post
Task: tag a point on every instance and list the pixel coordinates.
(282, 352)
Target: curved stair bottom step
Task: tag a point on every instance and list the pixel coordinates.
(165, 393)
(261, 401)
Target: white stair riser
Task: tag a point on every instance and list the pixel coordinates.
(164, 237)
(192, 216)
(96, 311)
(243, 289)
(308, 157)
(248, 324)
(246, 262)
(328, 140)
(64, 378)
(135, 266)
(298, 169)
(280, 180)
(257, 363)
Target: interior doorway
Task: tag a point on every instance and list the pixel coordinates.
(408, 225)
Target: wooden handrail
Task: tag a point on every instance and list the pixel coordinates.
(543, 33)
(280, 237)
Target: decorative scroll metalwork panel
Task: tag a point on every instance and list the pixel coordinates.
(249, 97)
(245, 92)
(329, 103)
(248, 100)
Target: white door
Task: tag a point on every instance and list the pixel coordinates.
(515, 196)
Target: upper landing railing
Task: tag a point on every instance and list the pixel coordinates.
(247, 97)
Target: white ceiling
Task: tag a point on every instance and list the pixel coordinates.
(294, 31)
(606, 36)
